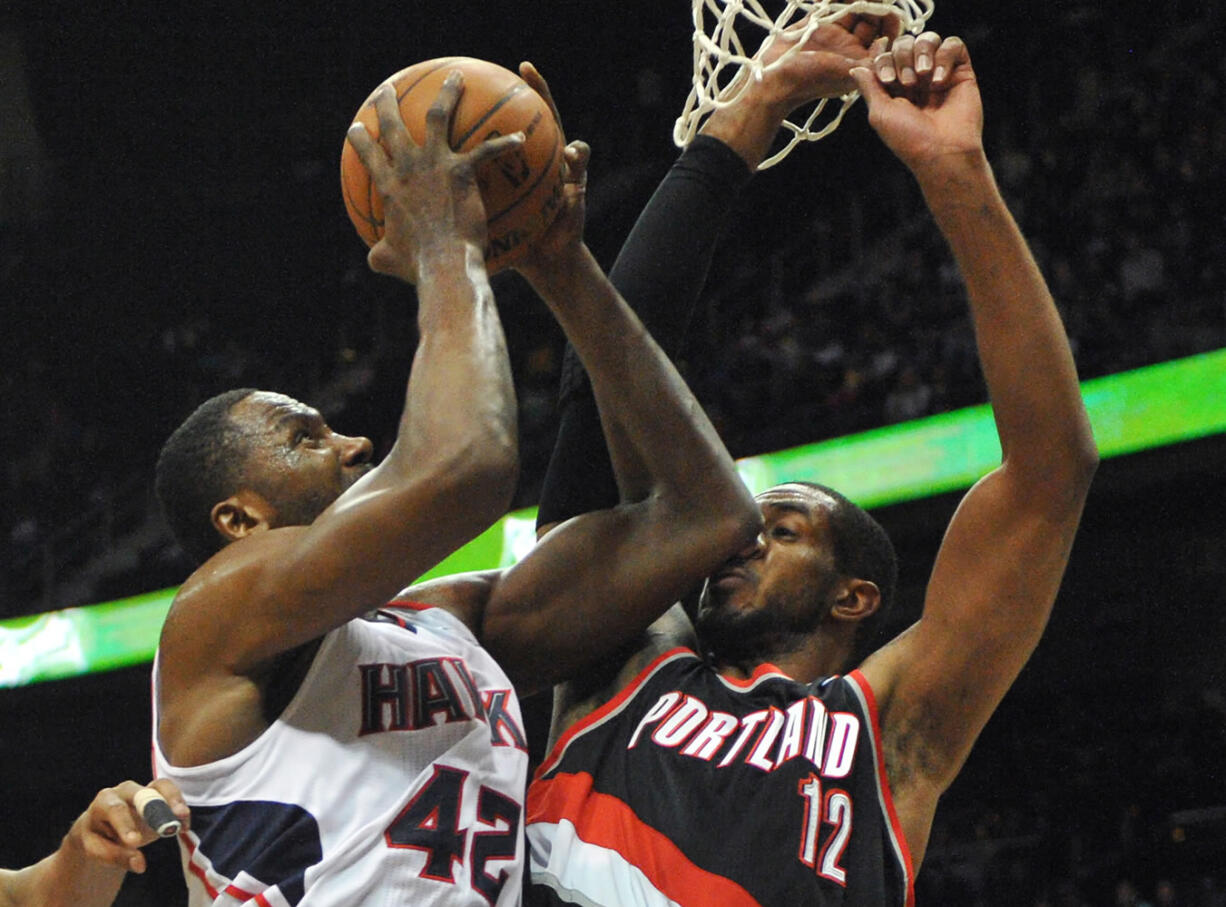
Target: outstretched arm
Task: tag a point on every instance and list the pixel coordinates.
(101, 847)
(601, 577)
(451, 470)
(450, 473)
(1004, 554)
(663, 264)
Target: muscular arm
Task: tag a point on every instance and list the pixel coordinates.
(660, 271)
(598, 578)
(1001, 562)
(663, 263)
(449, 474)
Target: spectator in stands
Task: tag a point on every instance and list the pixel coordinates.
(102, 846)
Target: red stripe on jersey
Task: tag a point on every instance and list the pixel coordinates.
(197, 869)
(887, 795)
(409, 604)
(587, 721)
(759, 672)
(605, 821)
(235, 892)
(262, 901)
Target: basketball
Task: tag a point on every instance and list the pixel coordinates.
(521, 189)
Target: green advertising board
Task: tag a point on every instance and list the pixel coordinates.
(1146, 408)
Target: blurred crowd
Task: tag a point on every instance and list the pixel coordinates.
(1138, 819)
(1114, 181)
(850, 320)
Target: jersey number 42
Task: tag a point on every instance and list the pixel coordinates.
(430, 822)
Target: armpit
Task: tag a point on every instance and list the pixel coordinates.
(910, 756)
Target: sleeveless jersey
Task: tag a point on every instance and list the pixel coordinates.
(395, 776)
(693, 789)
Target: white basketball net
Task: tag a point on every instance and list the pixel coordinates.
(720, 56)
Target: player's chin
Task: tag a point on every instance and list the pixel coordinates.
(724, 600)
(731, 629)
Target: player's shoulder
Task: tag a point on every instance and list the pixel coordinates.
(238, 565)
(668, 643)
(888, 670)
(462, 595)
(669, 637)
(414, 616)
(228, 577)
(845, 691)
(224, 591)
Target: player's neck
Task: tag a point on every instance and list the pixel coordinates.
(801, 658)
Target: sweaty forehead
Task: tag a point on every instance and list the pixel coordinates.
(268, 409)
(794, 496)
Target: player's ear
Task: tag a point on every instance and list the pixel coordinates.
(241, 514)
(855, 600)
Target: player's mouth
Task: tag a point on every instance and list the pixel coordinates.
(729, 576)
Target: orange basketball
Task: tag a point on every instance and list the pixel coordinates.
(521, 188)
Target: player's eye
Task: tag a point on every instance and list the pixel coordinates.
(301, 436)
(779, 531)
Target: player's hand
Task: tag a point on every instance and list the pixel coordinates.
(564, 237)
(112, 831)
(923, 100)
(821, 66)
(429, 192)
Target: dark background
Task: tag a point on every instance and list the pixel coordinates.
(172, 226)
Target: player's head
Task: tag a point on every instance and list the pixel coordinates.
(820, 560)
(250, 459)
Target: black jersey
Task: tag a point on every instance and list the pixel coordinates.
(693, 789)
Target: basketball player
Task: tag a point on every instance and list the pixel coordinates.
(339, 750)
(102, 846)
(742, 764)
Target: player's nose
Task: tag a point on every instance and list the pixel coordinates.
(355, 451)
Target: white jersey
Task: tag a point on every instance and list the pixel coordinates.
(395, 776)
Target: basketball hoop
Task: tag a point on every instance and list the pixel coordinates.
(720, 57)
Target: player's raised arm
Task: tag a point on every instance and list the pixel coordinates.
(452, 468)
(102, 846)
(662, 266)
(309, 543)
(603, 576)
(1005, 552)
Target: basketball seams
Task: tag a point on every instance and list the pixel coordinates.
(375, 220)
(446, 61)
(501, 94)
(361, 219)
(356, 212)
(512, 92)
(373, 203)
(545, 171)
